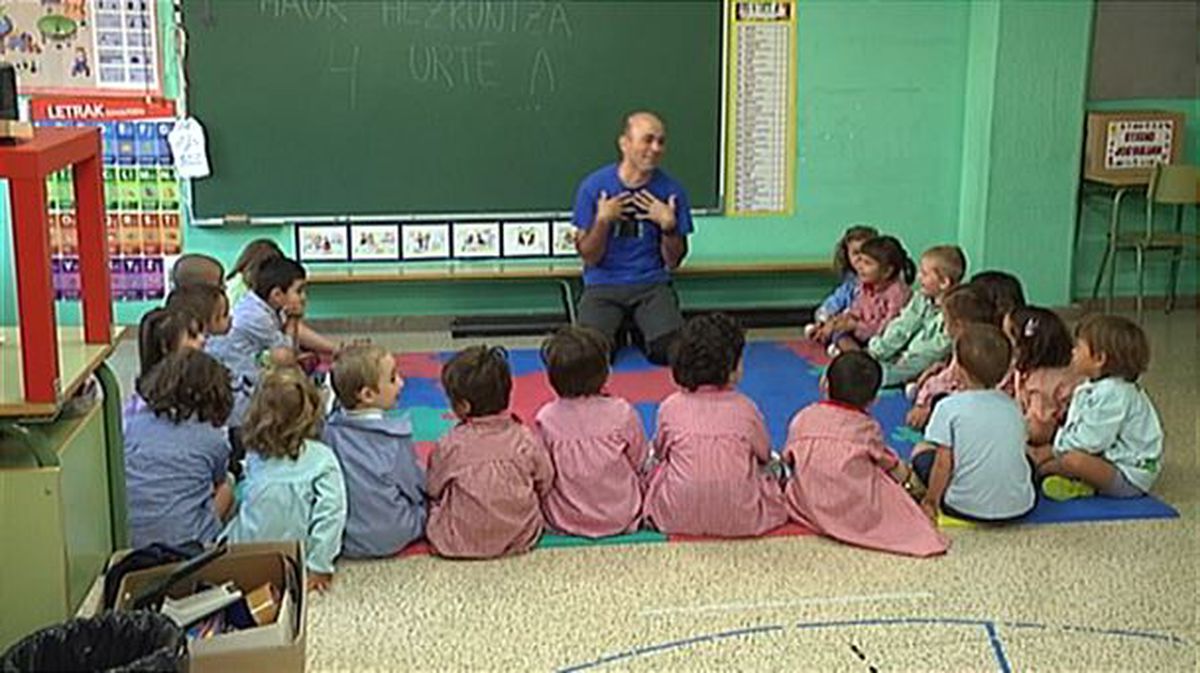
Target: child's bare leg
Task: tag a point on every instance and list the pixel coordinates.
(1092, 470)
(1040, 454)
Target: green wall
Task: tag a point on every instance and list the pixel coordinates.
(937, 121)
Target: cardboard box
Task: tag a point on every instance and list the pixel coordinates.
(275, 647)
(1126, 145)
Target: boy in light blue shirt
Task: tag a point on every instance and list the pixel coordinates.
(385, 487)
(973, 457)
(1112, 441)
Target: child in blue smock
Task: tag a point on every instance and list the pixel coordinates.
(176, 451)
(293, 486)
(845, 255)
(385, 488)
(1112, 440)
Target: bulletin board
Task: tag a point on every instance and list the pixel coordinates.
(82, 46)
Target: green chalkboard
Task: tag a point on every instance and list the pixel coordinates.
(377, 107)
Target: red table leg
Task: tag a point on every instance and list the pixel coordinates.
(93, 250)
(35, 290)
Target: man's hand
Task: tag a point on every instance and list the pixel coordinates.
(612, 209)
(659, 212)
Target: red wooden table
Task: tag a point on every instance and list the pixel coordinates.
(26, 165)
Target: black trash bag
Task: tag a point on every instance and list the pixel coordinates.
(117, 642)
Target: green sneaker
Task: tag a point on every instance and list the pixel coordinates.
(1062, 488)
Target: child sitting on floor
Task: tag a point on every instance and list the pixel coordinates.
(596, 441)
(385, 488)
(712, 445)
(206, 303)
(176, 451)
(1042, 379)
(263, 328)
(1112, 440)
(916, 338)
(294, 484)
(962, 306)
(973, 457)
(1004, 289)
(884, 272)
(845, 264)
(488, 475)
(847, 482)
(243, 278)
(197, 269)
(163, 331)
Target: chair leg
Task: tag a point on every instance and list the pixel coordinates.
(1141, 276)
(1176, 259)
(1100, 271)
(1112, 281)
(1114, 228)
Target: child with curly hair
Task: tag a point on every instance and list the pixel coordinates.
(177, 449)
(294, 484)
(712, 444)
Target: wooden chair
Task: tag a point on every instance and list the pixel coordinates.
(1173, 185)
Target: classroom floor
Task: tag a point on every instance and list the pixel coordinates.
(1085, 596)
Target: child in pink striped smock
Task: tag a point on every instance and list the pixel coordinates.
(712, 444)
(488, 474)
(595, 441)
(846, 482)
(1043, 381)
(884, 273)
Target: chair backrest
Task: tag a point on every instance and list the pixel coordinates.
(1174, 184)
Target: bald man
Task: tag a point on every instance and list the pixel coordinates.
(633, 222)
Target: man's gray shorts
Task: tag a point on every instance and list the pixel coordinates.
(653, 306)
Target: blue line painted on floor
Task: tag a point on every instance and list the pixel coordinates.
(672, 645)
(1091, 630)
(997, 647)
(989, 627)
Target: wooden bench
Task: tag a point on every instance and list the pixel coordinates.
(563, 273)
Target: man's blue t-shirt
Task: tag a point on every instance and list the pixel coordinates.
(633, 255)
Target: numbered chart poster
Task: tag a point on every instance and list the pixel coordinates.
(82, 46)
(141, 191)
